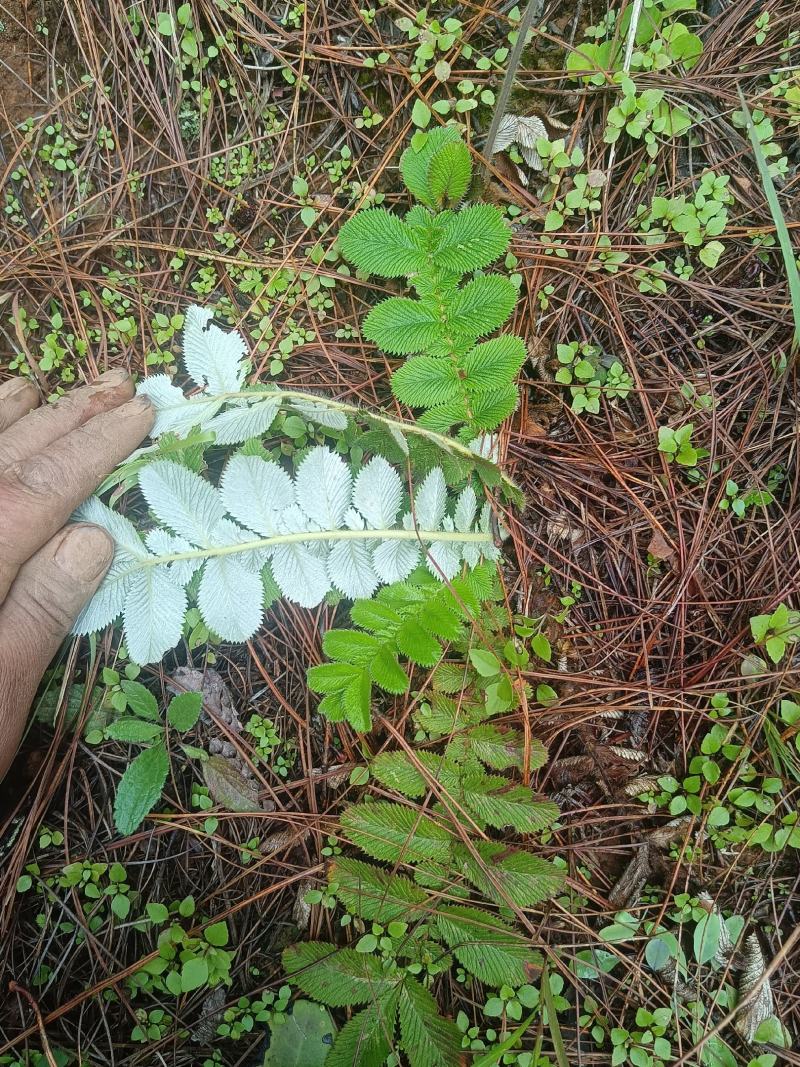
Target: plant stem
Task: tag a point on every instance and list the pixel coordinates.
(532, 11)
(442, 441)
(321, 535)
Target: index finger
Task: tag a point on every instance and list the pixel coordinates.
(17, 397)
(38, 494)
(42, 428)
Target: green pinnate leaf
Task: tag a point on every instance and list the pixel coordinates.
(425, 381)
(337, 977)
(401, 325)
(396, 771)
(429, 1040)
(417, 644)
(487, 947)
(366, 1039)
(492, 800)
(442, 418)
(470, 239)
(378, 242)
(375, 894)
(415, 162)
(449, 174)
(388, 831)
(386, 672)
(493, 362)
(489, 409)
(498, 749)
(482, 305)
(519, 877)
(351, 646)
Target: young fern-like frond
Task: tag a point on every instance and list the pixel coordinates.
(262, 529)
(225, 410)
(456, 380)
(234, 547)
(411, 620)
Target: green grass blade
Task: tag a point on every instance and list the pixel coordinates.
(492, 1058)
(784, 239)
(552, 1020)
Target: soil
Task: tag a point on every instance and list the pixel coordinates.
(23, 61)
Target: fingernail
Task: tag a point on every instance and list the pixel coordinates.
(111, 379)
(11, 390)
(85, 552)
(137, 406)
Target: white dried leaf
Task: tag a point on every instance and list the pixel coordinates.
(530, 130)
(762, 1006)
(506, 133)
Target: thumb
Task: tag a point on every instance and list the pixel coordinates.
(46, 597)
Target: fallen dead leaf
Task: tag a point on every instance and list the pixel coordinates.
(660, 548)
(229, 788)
(762, 1006)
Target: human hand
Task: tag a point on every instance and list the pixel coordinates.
(51, 459)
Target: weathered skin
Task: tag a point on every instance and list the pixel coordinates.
(51, 459)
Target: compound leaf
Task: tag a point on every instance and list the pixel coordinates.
(374, 893)
(378, 493)
(401, 325)
(378, 242)
(471, 238)
(153, 615)
(482, 305)
(189, 505)
(394, 832)
(338, 977)
(429, 1039)
(486, 946)
(213, 357)
(426, 381)
(449, 175)
(230, 598)
(323, 488)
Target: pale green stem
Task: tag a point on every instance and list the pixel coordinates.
(447, 444)
(322, 535)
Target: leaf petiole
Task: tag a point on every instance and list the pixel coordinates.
(320, 535)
